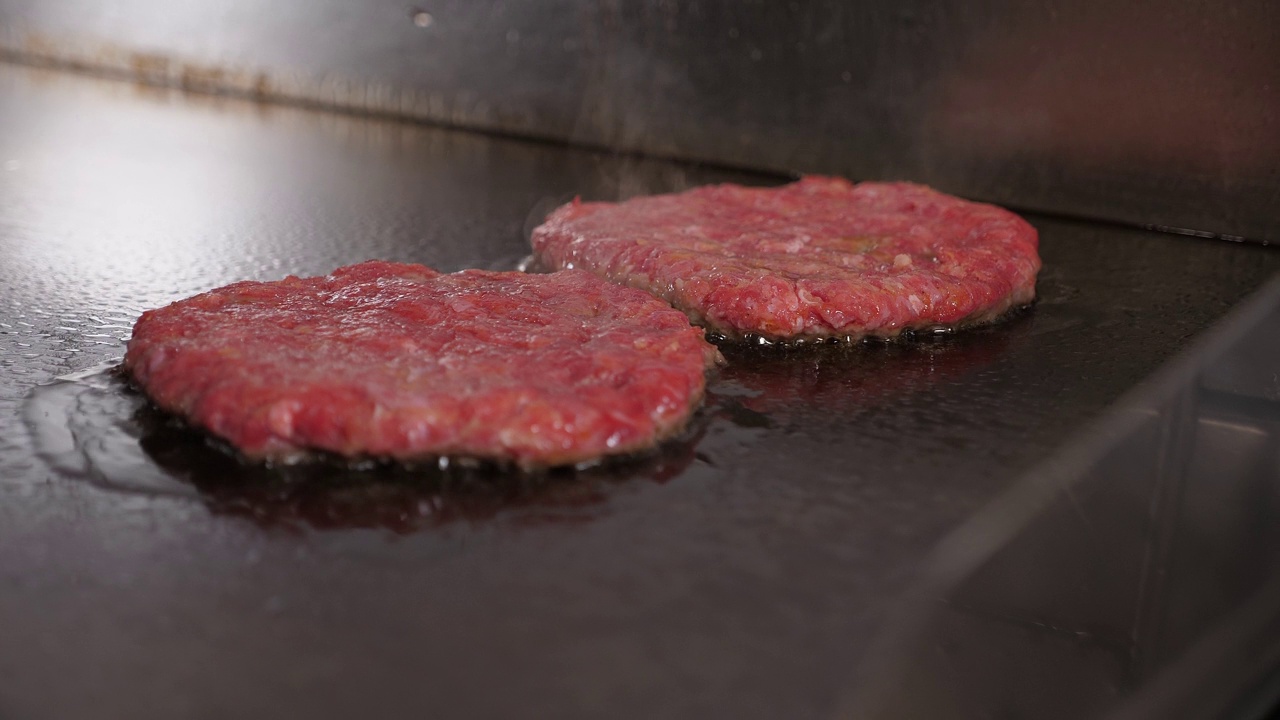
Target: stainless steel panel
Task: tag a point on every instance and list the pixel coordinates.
(1137, 111)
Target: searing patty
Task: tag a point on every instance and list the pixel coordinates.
(814, 259)
(399, 361)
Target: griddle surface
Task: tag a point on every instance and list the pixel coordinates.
(746, 580)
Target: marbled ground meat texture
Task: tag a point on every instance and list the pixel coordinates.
(818, 258)
(399, 361)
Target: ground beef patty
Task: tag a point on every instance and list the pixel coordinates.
(391, 360)
(817, 258)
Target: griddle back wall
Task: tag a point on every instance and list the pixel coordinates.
(1138, 111)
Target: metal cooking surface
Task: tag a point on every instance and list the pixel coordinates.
(748, 580)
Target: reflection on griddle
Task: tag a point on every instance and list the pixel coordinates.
(330, 493)
(761, 391)
(784, 382)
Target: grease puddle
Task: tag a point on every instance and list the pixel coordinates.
(94, 427)
(81, 426)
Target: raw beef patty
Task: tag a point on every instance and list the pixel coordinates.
(818, 258)
(399, 361)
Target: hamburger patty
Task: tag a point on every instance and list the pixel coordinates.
(818, 258)
(399, 361)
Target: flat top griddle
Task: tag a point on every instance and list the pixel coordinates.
(746, 571)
